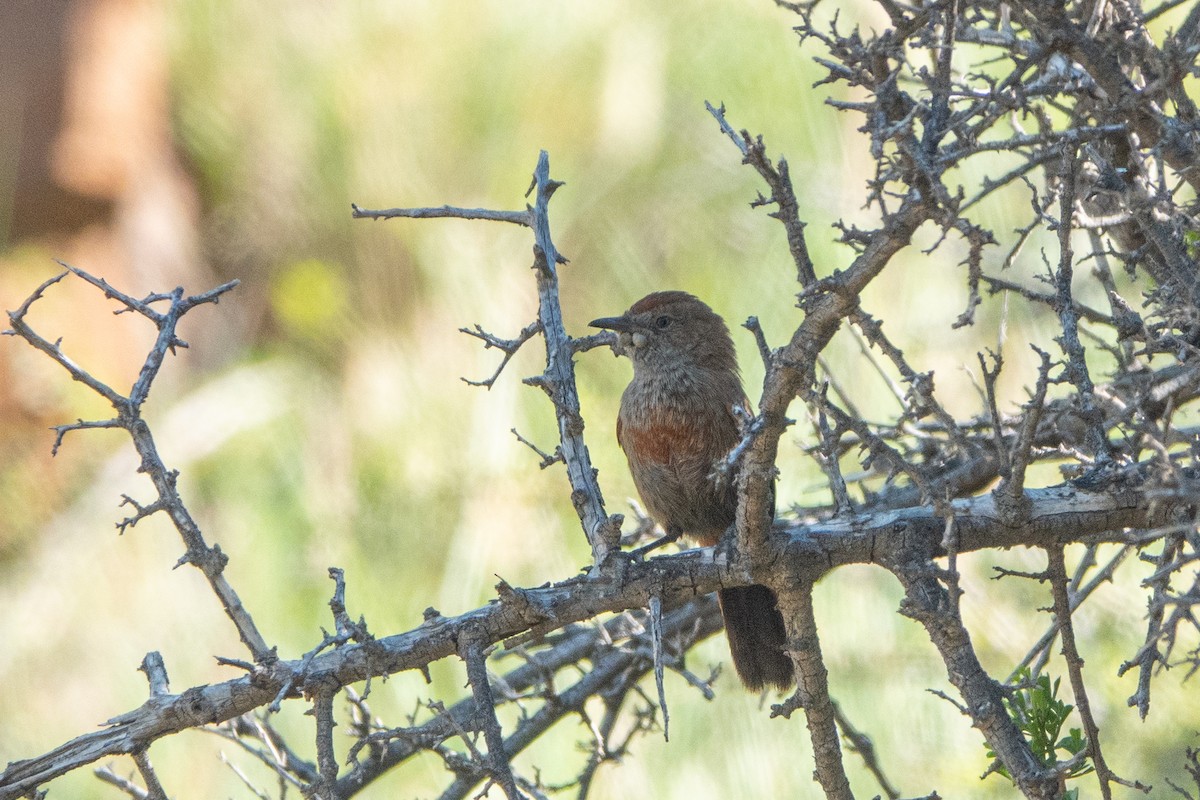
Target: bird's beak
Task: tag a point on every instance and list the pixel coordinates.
(612, 323)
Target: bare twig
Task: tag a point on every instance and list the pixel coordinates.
(827, 455)
(289, 768)
(656, 642)
(548, 459)
(471, 650)
(62, 430)
(1076, 368)
(812, 693)
(558, 381)
(1103, 575)
(327, 763)
(508, 346)
(209, 560)
(1057, 574)
(861, 744)
(156, 673)
(455, 212)
(154, 788)
(787, 211)
(127, 786)
(1011, 491)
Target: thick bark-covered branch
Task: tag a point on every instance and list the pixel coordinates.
(1060, 515)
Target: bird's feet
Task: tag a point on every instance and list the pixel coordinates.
(726, 547)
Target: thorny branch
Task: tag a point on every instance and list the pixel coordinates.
(471, 650)
(208, 559)
(783, 196)
(812, 693)
(943, 119)
(861, 744)
(1056, 573)
(507, 346)
(558, 381)
(1072, 112)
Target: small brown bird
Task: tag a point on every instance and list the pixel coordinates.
(676, 422)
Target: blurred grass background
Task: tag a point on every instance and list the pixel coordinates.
(319, 419)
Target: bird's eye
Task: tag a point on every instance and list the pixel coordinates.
(662, 322)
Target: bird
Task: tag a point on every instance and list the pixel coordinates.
(676, 421)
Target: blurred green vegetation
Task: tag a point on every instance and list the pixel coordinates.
(340, 433)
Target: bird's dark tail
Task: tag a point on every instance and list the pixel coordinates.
(756, 637)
